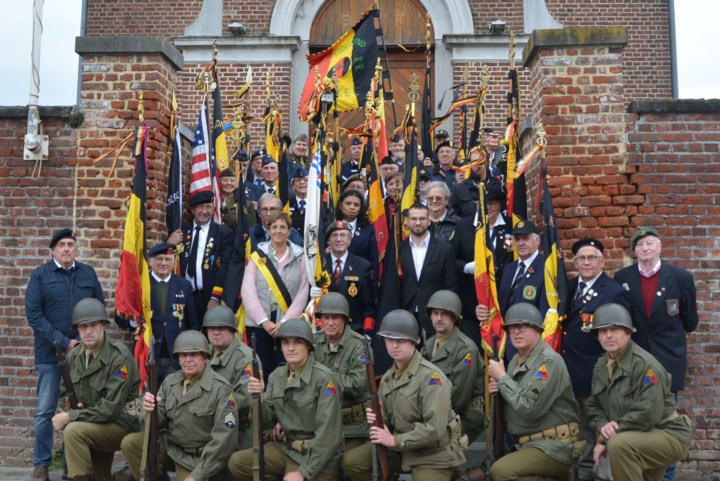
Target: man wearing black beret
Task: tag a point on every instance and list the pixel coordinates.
(52, 293)
(206, 250)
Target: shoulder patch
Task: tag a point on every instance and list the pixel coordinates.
(330, 389)
(247, 371)
(231, 402)
(122, 372)
(542, 372)
(229, 420)
(467, 360)
(536, 389)
(650, 377)
(435, 380)
(362, 357)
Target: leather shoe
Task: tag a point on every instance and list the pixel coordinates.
(40, 473)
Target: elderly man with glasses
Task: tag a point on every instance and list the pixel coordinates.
(267, 205)
(442, 217)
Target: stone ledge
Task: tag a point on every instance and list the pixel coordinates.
(129, 45)
(573, 37)
(46, 112)
(675, 106)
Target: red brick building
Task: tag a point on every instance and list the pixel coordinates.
(596, 73)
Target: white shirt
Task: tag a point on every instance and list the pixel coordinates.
(498, 222)
(61, 266)
(204, 229)
(157, 278)
(419, 251)
(646, 273)
(528, 262)
(353, 226)
(588, 284)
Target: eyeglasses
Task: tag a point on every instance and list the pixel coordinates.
(435, 198)
(339, 235)
(266, 210)
(590, 259)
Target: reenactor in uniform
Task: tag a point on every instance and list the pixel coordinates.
(232, 359)
(421, 430)
(302, 403)
(540, 409)
(632, 408)
(228, 204)
(197, 413)
(105, 380)
(459, 358)
(341, 349)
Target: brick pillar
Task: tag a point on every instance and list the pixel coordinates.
(577, 92)
(114, 70)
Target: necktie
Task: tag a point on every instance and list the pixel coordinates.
(580, 290)
(301, 204)
(271, 191)
(518, 278)
(338, 272)
(193, 254)
(186, 386)
(88, 358)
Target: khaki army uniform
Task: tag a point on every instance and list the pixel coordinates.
(347, 360)
(416, 409)
(107, 388)
(637, 396)
(307, 405)
(541, 413)
(459, 358)
(228, 211)
(235, 365)
(200, 427)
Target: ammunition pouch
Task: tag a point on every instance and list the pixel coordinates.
(300, 445)
(476, 404)
(565, 433)
(355, 414)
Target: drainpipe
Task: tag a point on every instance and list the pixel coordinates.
(673, 50)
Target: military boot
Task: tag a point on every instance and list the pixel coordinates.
(40, 473)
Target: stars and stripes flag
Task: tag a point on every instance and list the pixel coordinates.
(203, 175)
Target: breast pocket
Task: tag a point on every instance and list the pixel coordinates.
(204, 415)
(85, 287)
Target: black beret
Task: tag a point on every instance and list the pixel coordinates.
(525, 227)
(60, 235)
(164, 248)
(387, 160)
(495, 191)
(257, 153)
(424, 174)
(488, 130)
(241, 155)
(227, 173)
(202, 197)
(439, 146)
(442, 133)
(397, 137)
(355, 141)
(587, 241)
(300, 172)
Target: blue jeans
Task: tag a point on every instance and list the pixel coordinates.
(48, 392)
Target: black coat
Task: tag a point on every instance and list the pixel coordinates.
(357, 286)
(674, 313)
(531, 288)
(464, 199)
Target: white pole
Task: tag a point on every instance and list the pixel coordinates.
(34, 139)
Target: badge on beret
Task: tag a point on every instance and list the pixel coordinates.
(247, 371)
(520, 224)
(122, 372)
(330, 389)
(435, 380)
(542, 372)
(353, 290)
(230, 420)
(529, 293)
(231, 402)
(467, 360)
(650, 377)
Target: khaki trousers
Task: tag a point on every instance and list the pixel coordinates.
(636, 455)
(277, 464)
(132, 448)
(358, 464)
(527, 464)
(90, 447)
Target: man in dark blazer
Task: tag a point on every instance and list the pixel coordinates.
(428, 265)
(268, 205)
(173, 307)
(664, 308)
(580, 348)
(351, 276)
(206, 250)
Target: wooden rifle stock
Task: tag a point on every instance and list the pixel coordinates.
(258, 466)
(498, 412)
(150, 463)
(71, 400)
(382, 454)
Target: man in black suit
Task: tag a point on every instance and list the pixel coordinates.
(173, 307)
(351, 276)
(580, 348)
(268, 205)
(206, 250)
(427, 266)
(352, 166)
(298, 198)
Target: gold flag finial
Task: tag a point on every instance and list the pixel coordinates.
(541, 134)
(141, 106)
(484, 75)
(511, 50)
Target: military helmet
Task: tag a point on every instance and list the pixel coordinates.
(220, 316)
(333, 303)
(296, 328)
(446, 300)
(191, 341)
(612, 314)
(399, 324)
(523, 313)
(89, 310)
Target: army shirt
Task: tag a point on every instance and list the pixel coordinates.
(107, 387)
(308, 408)
(538, 395)
(637, 396)
(348, 361)
(205, 417)
(416, 409)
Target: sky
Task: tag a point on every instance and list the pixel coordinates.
(696, 20)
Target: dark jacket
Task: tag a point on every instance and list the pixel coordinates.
(445, 229)
(218, 250)
(50, 298)
(464, 198)
(357, 286)
(674, 313)
(297, 213)
(531, 288)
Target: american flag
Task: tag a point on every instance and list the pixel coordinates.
(201, 178)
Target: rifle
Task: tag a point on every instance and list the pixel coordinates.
(381, 454)
(424, 349)
(258, 466)
(498, 412)
(150, 462)
(71, 400)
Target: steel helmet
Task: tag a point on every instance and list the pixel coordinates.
(399, 324)
(612, 314)
(220, 316)
(191, 341)
(446, 300)
(523, 313)
(296, 328)
(333, 303)
(89, 310)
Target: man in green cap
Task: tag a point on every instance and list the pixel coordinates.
(540, 410)
(105, 380)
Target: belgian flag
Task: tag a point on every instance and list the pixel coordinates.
(352, 58)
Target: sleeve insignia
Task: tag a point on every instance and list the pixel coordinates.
(536, 390)
(650, 377)
(247, 371)
(231, 402)
(542, 372)
(330, 389)
(229, 420)
(362, 357)
(122, 372)
(467, 360)
(435, 380)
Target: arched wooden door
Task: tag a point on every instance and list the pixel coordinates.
(403, 25)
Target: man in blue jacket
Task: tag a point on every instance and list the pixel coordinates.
(52, 292)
